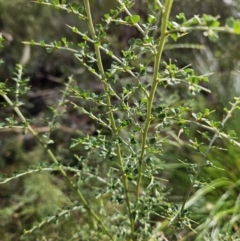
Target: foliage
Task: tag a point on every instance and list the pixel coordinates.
(120, 185)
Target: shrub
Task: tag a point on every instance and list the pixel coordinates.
(116, 188)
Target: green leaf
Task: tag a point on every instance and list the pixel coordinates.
(55, 2)
(110, 53)
(151, 19)
(133, 19)
(230, 22)
(1, 41)
(137, 129)
(210, 20)
(232, 133)
(133, 141)
(152, 141)
(148, 40)
(216, 124)
(174, 36)
(236, 26)
(49, 50)
(42, 43)
(181, 17)
(161, 115)
(213, 36)
(206, 112)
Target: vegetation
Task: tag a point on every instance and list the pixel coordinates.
(116, 132)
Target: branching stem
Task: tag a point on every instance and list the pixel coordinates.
(204, 158)
(165, 16)
(110, 113)
(61, 169)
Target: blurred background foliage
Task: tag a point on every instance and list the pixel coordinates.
(29, 199)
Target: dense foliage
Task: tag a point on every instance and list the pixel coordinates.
(112, 130)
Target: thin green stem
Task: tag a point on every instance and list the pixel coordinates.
(201, 164)
(52, 219)
(60, 103)
(129, 14)
(220, 134)
(202, 28)
(110, 114)
(51, 46)
(104, 50)
(61, 169)
(136, 24)
(63, 7)
(165, 16)
(50, 169)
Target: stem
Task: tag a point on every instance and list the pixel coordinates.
(129, 14)
(203, 28)
(136, 24)
(157, 61)
(220, 134)
(200, 166)
(63, 7)
(110, 114)
(61, 169)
